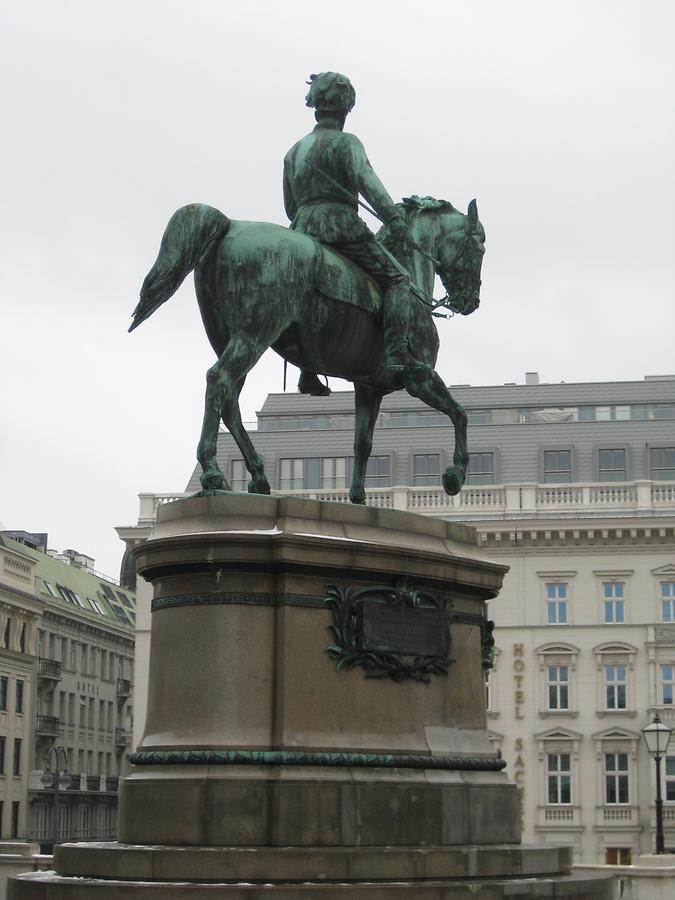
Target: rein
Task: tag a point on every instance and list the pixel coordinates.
(444, 301)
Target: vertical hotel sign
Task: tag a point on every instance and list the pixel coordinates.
(519, 703)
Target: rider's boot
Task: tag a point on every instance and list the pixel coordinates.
(309, 383)
(397, 356)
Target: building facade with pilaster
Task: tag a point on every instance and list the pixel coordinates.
(79, 645)
(573, 487)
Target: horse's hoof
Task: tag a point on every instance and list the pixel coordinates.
(357, 495)
(213, 481)
(453, 479)
(259, 486)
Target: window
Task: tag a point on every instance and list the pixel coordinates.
(557, 466)
(8, 634)
(612, 465)
(2, 755)
(479, 416)
(481, 468)
(292, 474)
(615, 687)
(662, 463)
(15, 818)
(426, 469)
(668, 601)
(3, 692)
(670, 778)
(96, 606)
(618, 856)
(616, 778)
(613, 602)
(239, 475)
(18, 706)
(334, 472)
(22, 638)
(556, 603)
(16, 766)
(558, 687)
(377, 472)
(667, 684)
(299, 473)
(558, 778)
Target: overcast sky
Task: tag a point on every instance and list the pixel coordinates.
(556, 116)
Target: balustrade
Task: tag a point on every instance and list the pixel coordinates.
(486, 500)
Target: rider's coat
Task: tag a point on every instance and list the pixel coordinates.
(323, 175)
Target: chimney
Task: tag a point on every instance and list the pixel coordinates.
(532, 378)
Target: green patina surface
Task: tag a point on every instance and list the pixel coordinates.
(303, 758)
(404, 604)
(260, 286)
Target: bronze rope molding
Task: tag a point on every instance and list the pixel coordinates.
(304, 758)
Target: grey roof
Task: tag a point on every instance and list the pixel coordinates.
(479, 397)
(517, 446)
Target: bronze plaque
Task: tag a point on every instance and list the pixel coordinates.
(400, 629)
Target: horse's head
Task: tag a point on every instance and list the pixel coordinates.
(459, 250)
(451, 245)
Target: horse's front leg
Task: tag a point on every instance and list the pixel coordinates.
(429, 387)
(367, 401)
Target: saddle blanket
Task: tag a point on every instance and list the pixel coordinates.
(340, 279)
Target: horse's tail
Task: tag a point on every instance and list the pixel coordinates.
(191, 231)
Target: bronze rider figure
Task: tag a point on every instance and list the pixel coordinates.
(324, 173)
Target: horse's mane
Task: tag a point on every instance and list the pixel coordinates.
(415, 202)
(409, 206)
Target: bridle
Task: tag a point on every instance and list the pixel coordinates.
(446, 301)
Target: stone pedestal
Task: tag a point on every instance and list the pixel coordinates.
(316, 718)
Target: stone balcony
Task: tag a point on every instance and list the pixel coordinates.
(493, 502)
(48, 670)
(617, 815)
(47, 726)
(122, 737)
(558, 817)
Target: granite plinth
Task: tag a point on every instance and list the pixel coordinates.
(46, 886)
(265, 770)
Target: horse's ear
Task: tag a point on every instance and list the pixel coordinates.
(473, 214)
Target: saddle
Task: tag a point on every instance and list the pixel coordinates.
(341, 279)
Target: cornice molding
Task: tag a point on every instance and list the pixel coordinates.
(583, 539)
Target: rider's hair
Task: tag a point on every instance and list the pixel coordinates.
(330, 92)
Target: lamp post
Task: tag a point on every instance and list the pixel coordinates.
(657, 736)
(56, 779)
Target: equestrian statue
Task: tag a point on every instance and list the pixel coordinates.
(327, 294)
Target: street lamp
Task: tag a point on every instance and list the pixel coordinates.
(56, 779)
(657, 737)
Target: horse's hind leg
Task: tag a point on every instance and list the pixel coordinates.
(223, 384)
(231, 416)
(367, 400)
(429, 387)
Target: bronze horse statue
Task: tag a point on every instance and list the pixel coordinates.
(261, 285)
